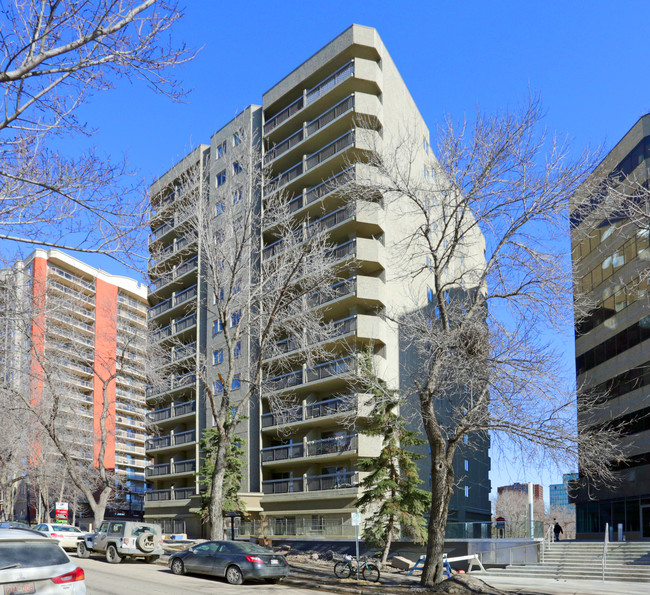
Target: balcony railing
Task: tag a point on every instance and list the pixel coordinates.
(284, 115)
(177, 272)
(71, 277)
(311, 161)
(160, 231)
(322, 223)
(171, 440)
(331, 149)
(338, 328)
(332, 445)
(337, 367)
(282, 486)
(334, 292)
(171, 468)
(171, 384)
(310, 411)
(321, 371)
(314, 126)
(170, 412)
(343, 73)
(164, 495)
(172, 329)
(283, 453)
(313, 483)
(172, 302)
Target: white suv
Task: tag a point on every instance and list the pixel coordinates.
(123, 539)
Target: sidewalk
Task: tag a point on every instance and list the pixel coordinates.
(397, 584)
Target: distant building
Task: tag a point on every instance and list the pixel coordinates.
(610, 265)
(87, 325)
(522, 488)
(559, 493)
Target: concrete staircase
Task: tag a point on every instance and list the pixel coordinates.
(571, 560)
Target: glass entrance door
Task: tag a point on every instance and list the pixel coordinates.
(645, 522)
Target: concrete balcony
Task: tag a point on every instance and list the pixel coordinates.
(310, 484)
(170, 441)
(320, 413)
(179, 245)
(179, 272)
(357, 75)
(178, 299)
(175, 328)
(176, 412)
(171, 385)
(308, 377)
(72, 278)
(325, 450)
(171, 494)
(171, 469)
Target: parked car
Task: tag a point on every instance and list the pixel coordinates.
(67, 535)
(235, 560)
(33, 563)
(123, 539)
(13, 525)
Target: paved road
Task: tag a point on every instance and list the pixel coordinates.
(133, 578)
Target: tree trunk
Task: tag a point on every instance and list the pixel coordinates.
(389, 539)
(99, 506)
(215, 506)
(442, 486)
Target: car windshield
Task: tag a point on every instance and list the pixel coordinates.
(249, 548)
(31, 555)
(65, 528)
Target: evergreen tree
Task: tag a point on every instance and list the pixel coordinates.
(390, 491)
(232, 478)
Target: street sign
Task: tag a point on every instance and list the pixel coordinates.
(356, 519)
(61, 512)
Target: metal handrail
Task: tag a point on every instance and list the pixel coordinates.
(606, 541)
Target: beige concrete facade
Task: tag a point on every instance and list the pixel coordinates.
(610, 259)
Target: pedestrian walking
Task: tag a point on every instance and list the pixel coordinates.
(557, 530)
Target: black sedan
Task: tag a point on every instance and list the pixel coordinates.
(234, 560)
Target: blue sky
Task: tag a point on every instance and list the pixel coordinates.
(586, 60)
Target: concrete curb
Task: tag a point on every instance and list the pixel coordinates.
(305, 584)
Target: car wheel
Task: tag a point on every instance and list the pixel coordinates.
(177, 566)
(82, 550)
(234, 575)
(151, 559)
(112, 556)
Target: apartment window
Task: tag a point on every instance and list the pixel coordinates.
(236, 197)
(236, 382)
(466, 465)
(221, 178)
(236, 168)
(466, 439)
(236, 138)
(222, 149)
(219, 209)
(237, 351)
(430, 295)
(218, 387)
(217, 328)
(217, 357)
(466, 491)
(235, 318)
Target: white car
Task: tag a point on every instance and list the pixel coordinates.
(32, 563)
(67, 535)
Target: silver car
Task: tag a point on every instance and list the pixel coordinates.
(33, 563)
(66, 535)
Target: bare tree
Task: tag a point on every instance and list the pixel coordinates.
(491, 211)
(258, 300)
(55, 55)
(513, 506)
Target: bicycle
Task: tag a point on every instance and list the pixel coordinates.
(368, 570)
